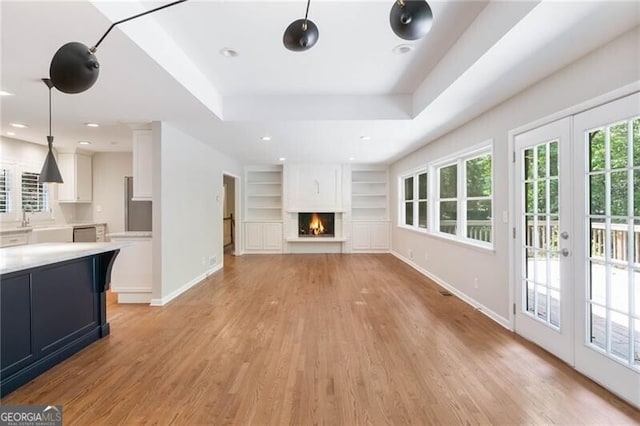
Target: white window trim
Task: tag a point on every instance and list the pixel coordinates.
(459, 158)
(15, 215)
(401, 204)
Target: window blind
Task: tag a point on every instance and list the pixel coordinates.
(34, 194)
(5, 191)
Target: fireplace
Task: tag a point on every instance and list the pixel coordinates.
(316, 225)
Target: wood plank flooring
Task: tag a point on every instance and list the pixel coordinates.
(317, 339)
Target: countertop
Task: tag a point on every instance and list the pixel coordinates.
(130, 234)
(32, 255)
(52, 226)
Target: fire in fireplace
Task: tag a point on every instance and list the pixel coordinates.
(316, 224)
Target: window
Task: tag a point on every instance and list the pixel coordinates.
(5, 190)
(34, 194)
(414, 200)
(448, 199)
(465, 197)
(478, 198)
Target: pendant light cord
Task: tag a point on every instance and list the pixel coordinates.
(95, 47)
(49, 111)
(306, 14)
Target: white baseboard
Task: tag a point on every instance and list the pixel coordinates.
(169, 297)
(134, 298)
(464, 297)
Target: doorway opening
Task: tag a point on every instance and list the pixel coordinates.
(230, 187)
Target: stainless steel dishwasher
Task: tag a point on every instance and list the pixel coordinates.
(84, 235)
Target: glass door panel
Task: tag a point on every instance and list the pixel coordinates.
(543, 299)
(607, 264)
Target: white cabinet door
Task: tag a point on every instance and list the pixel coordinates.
(77, 174)
(361, 236)
(315, 188)
(272, 236)
(66, 190)
(380, 236)
(372, 236)
(142, 165)
(254, 236)
(84, 178)
(263, 236)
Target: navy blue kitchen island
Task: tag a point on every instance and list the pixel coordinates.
(52, 304)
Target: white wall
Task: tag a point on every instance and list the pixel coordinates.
(109, 170)
(187, 210)
(611, 67)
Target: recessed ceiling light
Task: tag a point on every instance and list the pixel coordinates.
(365, 138)
(19, 125)
(401, 49)
(228, 52)
(113, 143)
(5, 93)
(352, 158)
(281, 159)
(92, 124)
(266, 138)
(84, 143)
(11, 133)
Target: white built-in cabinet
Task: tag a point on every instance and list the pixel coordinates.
(370, 226)
(358, 194)
(314, 188)
(263, 236)
(76, 172)
(263, 209)
(142, 165)
(370, 236)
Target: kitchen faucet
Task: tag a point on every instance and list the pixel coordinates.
(25, 219)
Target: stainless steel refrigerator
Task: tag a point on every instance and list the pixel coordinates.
(137, 214)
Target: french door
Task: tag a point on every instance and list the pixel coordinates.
(544, 303)
(607, 172)
(577, 260)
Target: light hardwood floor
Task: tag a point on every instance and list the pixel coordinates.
(317, 339)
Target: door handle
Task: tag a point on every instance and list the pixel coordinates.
(564, 252)
(564, 235)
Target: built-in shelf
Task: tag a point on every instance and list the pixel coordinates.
(263, 193)
(369, 193)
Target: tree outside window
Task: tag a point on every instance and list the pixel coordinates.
(414, 199)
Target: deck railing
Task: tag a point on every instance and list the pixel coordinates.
(619, 239)
(476, 229)
(481, 230)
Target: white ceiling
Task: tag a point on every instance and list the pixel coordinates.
(314, 105)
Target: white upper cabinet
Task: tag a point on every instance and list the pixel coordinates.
(76, 171)
(314, 188)
(142, 165)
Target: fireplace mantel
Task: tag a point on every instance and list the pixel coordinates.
(316, 240)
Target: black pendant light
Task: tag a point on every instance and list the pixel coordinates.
(74, 68)
(411, 19)
(301, 34)
(50, 171)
